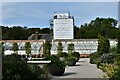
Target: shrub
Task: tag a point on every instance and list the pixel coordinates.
(71, 58)
(116, 75)
(55, 61)
(117, 59)
(107, 58)
(63, 54)
(94, 58)
(75, 54)
(56, 67)
(109, 69)
(70, 48)
(16, 69)
(71, 61)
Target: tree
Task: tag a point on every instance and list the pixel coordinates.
(76, 32)
(28, 48)
(15, 47)
(70, 48)
(59, 48)
(103, 45)
(107, 45)
(46, 48)
(118, 44)
(2, 48)
(103, 26)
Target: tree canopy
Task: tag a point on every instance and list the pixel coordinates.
(102, 26)
(21, 33)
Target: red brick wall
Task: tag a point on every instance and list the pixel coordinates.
(84, 55)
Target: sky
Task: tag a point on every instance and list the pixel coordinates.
(38, 14)
(59, 0)
(119, 14)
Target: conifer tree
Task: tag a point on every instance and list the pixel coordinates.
(59, 48)
(15, 47)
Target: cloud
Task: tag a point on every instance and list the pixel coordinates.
(39, 13)
(23, 13)
(86, 11)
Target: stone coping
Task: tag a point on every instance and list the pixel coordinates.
(39, 62)
(22, 40)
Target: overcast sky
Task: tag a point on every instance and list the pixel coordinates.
(38, 14)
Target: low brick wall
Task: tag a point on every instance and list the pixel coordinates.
(84, 55)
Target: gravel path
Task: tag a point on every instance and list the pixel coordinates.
(82, 69)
